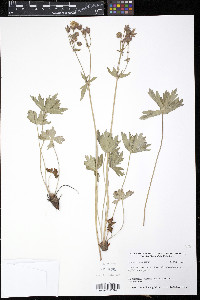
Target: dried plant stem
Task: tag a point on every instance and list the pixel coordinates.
(107, 155)
(153, 173)
(58, 168)
(113, 110)
(122, 200)
(96, 183)
(96, 146)
(126, 170)
(41, 157)
(107, 203)
(123, 181)
(122, 223)
(79, 63)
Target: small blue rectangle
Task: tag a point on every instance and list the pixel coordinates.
(110, 5)
(126, 8)
(122, 12)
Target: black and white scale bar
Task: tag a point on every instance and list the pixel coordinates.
(44, 8)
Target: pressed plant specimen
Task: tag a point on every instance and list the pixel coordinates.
(167, 103)
(48, 106)
(112, 156)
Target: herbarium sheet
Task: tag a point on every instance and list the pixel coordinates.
(98, 166)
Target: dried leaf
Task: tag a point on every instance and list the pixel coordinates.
(104, 245)
(49, 134)
(83, 91)
(156, 97)
(122, 75)
(84, 77)
(167, 103)
(135, 143)
(110, 221)
(42, 119)
(38, 101)
(39, 120)
(59, 139)
(120, 195)
(115, 158)
(86, 85)
(109, 228)
(107, 142)
(52, 105)
(93, 78)
(90, 163)
(32, 116)
(113, 72)
(53, 171)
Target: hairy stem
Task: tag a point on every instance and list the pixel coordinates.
(153, 173)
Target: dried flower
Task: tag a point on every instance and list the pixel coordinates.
(67, 29)
(87, 29)
(73, 25)
(119, 35)
(83, 31)
(79, 43)
(79, 27)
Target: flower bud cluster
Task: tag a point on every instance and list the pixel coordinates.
(127, 36)
(74, 31)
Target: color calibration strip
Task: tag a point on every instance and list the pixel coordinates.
(122, 8)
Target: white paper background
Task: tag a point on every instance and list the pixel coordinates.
(36, 58)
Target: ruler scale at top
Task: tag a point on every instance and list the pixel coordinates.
(41, 8)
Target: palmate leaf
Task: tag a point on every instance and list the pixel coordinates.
(38, 120)
(52, 105)
(107, 142)
(115, 158)
(167, 103)
(120, 195)
(49, 135)
(135, 143)
(90, 163)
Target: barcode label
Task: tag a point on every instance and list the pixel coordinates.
(107, 286)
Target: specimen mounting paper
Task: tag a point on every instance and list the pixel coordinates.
(37, 58)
